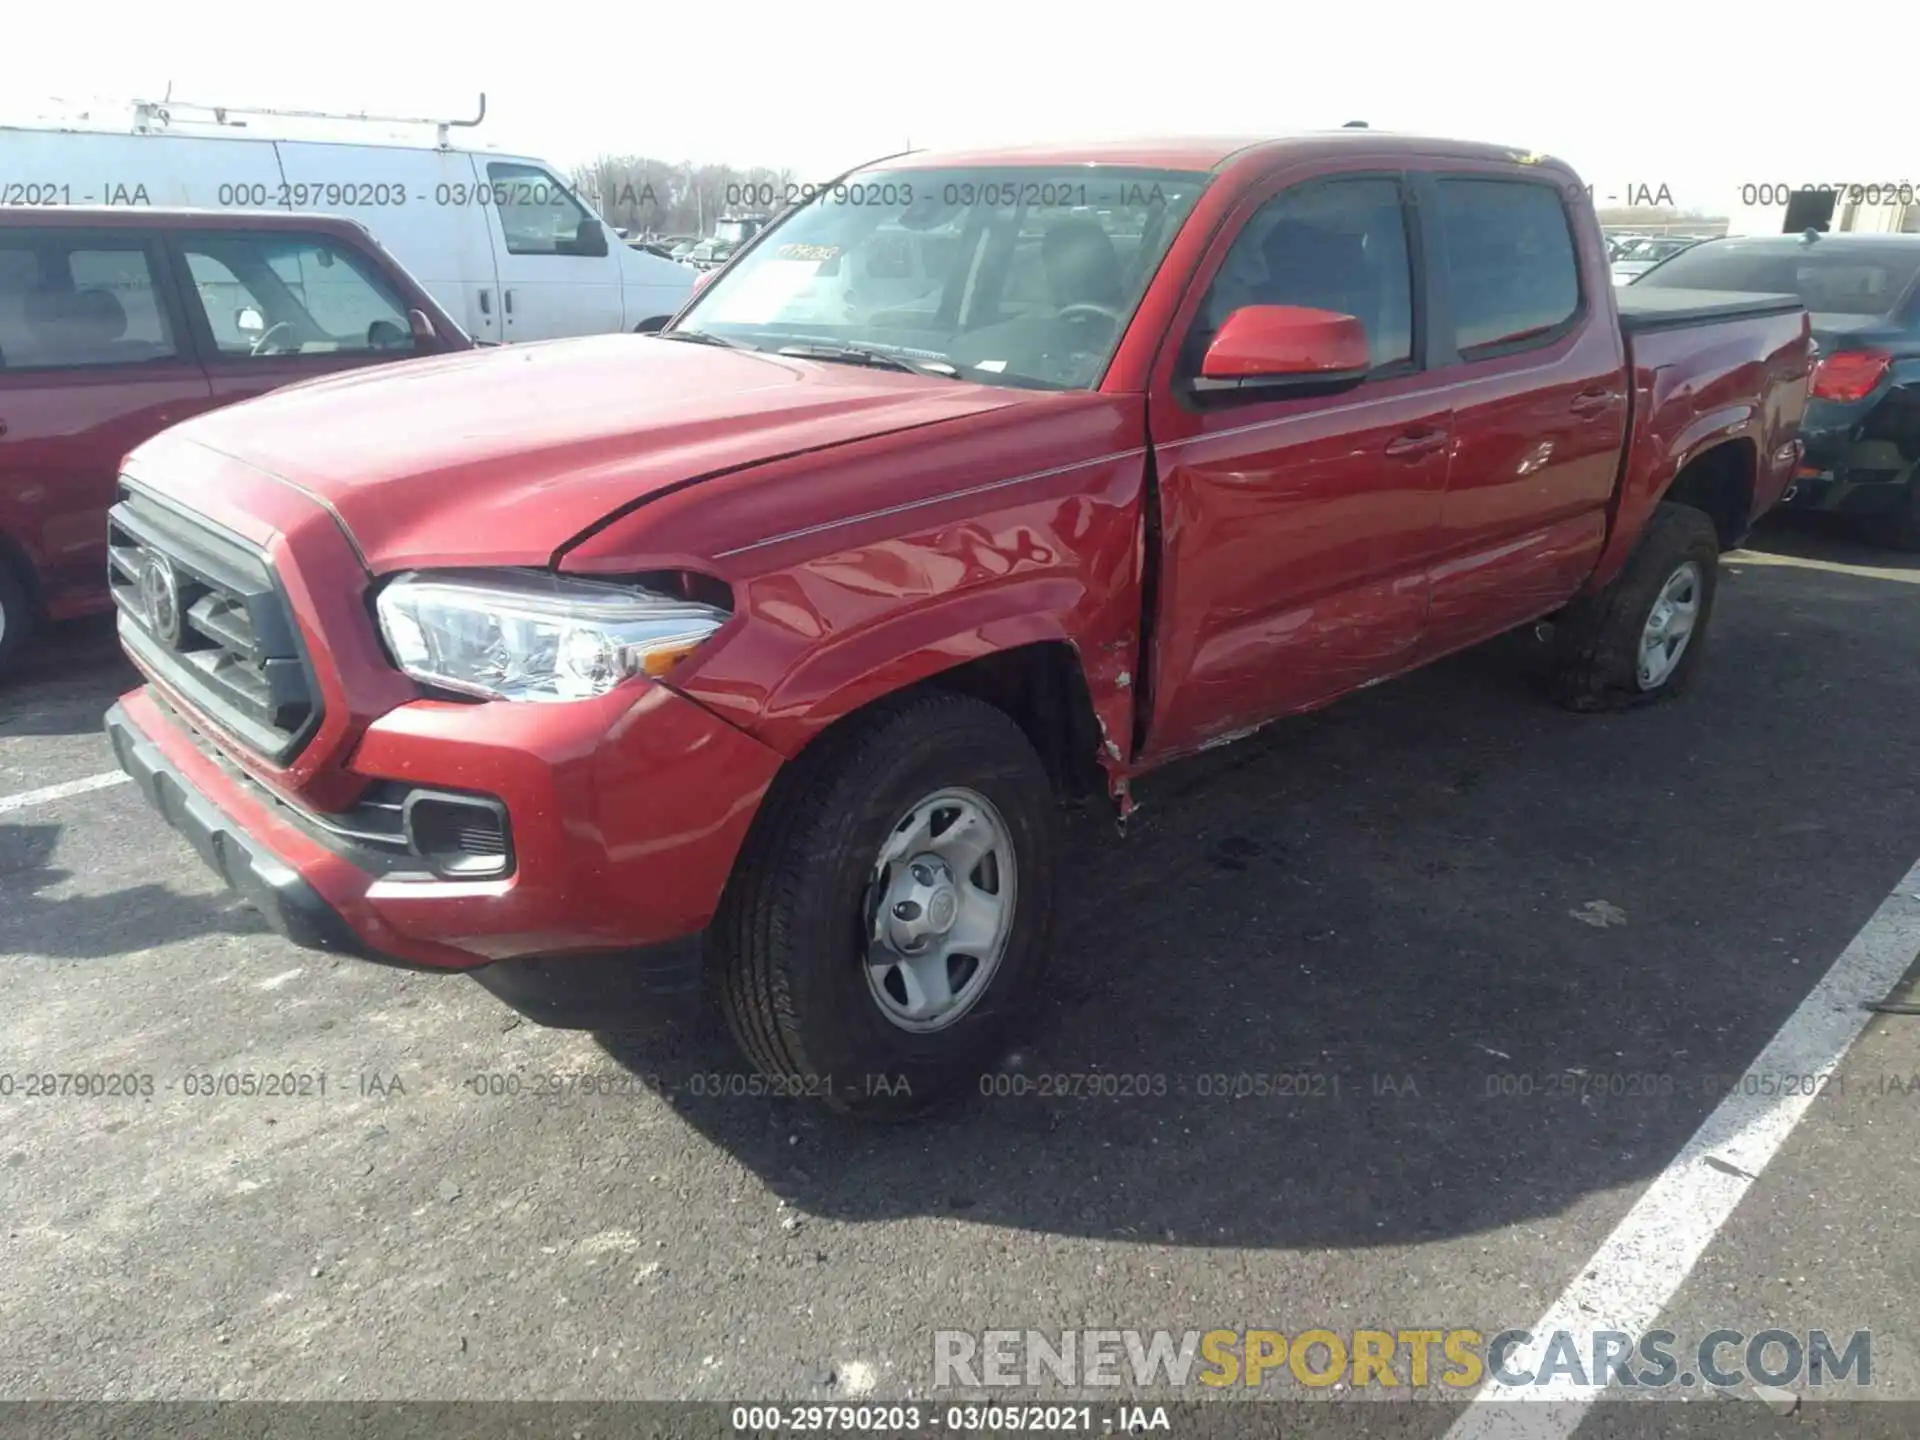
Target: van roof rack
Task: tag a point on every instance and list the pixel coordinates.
(151, 116)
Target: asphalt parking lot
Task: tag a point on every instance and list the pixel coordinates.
(1418, 895)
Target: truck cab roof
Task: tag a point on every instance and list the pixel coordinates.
(1207, 152)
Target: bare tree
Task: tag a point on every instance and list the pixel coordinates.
(644, 195)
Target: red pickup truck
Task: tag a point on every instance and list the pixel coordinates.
(754, 654)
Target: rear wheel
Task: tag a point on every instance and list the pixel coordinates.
(889, 914)
(1641, 638)
(16, 617)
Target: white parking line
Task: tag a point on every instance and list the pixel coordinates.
(1652, 1251)
(62, 790)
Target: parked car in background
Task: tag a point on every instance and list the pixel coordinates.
(1641, 256)
(728, 236)
(757, 653)
(116, 323)
(506, 246)
(1862, 428)
(736, 230)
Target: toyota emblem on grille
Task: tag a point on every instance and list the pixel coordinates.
(160, 599)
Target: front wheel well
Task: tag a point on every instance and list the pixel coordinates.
(1042, 687)
(13, 560)
(1720, 484)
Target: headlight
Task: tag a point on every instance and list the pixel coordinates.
(521, 635)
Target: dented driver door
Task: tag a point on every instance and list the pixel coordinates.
(1296, 533)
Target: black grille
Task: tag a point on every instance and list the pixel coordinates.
(220, 633)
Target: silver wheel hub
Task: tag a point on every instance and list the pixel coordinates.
(941, 904)
(1670, 625)
(922, 904)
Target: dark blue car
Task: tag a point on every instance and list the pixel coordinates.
(1862, 426)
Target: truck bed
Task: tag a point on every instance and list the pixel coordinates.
(1707, 367)
(1643, 309)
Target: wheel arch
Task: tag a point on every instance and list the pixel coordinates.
(15, 560)
(1719, 479)
(1035, 675)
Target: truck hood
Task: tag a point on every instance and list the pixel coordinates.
(503, 456)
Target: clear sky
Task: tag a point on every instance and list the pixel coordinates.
(1702, 98)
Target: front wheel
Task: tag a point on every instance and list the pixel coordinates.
(890, 912)
(1642, 637)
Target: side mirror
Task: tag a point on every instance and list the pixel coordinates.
(422, 327)
(652, 326)
(590, 238)
(249, 319)
(1290, 348)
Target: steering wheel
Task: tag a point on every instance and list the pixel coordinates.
(1087, 307)
(268, 334)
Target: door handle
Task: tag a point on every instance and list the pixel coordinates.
(486, 302)
(507, 295)
(3, 427)
(1592, 402)
(1417, 442)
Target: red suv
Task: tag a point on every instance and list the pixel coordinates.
(116, 323)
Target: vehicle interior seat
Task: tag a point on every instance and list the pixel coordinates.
(81, 327)
(1316, 265)
(1081, 264)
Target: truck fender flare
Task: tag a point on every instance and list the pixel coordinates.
(1650, 473)
(1729, 424)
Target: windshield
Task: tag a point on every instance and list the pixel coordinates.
(1011, 276)
(1840, 280)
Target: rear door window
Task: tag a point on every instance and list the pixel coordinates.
(1511, 263)
(71, 301)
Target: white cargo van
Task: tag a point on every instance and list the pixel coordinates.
(500, 241)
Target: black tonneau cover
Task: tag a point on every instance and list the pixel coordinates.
(1647, 307)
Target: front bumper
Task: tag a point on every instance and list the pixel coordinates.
(253, 872)
(602, 914)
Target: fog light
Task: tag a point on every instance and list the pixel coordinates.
(461, 837)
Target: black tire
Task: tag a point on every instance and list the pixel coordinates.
(1596, 643)
(793, 930)
(16, 617)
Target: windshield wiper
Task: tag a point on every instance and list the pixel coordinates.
(700, 337)
(861, 355)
